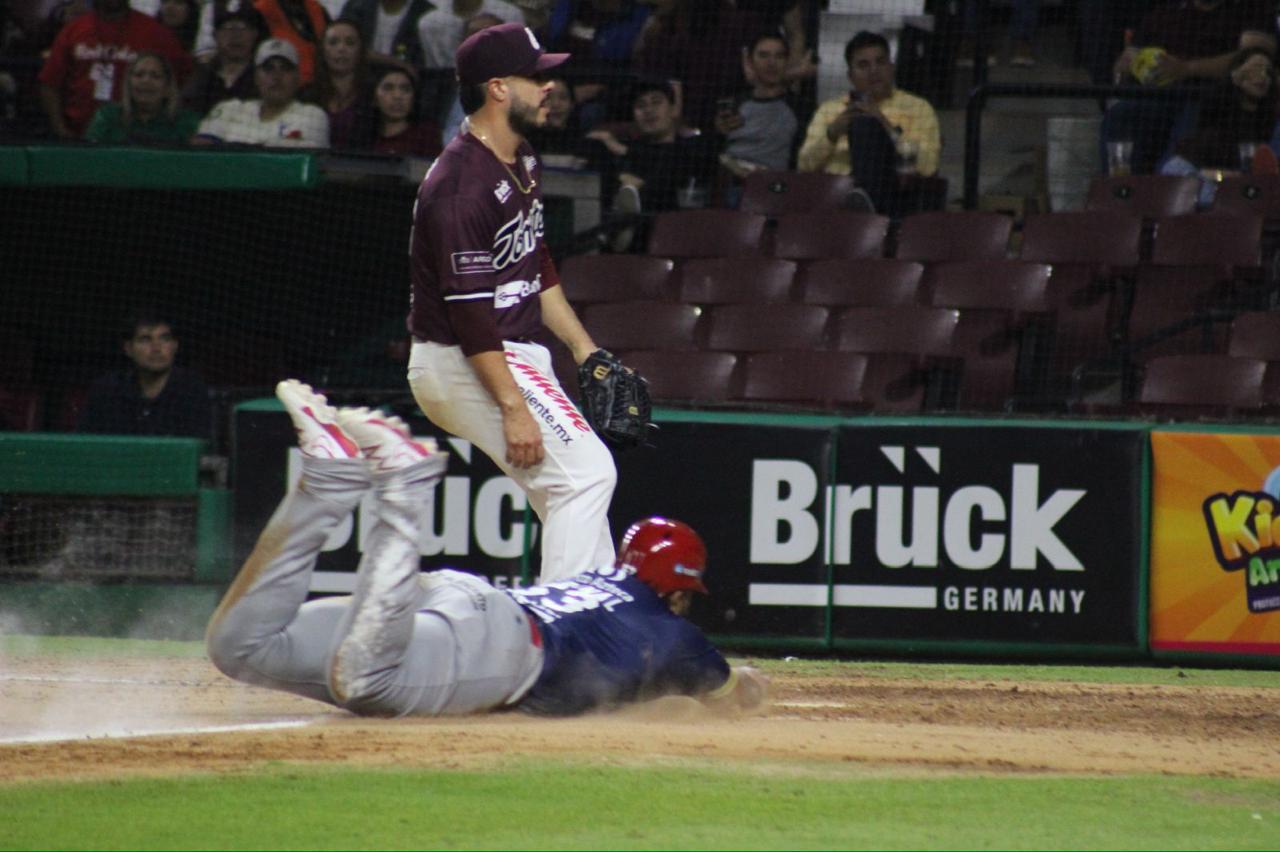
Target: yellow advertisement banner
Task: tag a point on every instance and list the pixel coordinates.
(1215, 542)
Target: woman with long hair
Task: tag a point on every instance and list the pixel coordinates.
(397, 129)
(342, 84)
(149, 111)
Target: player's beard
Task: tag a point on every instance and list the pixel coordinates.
(523, 116)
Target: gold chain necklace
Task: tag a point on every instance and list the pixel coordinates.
(524, 190)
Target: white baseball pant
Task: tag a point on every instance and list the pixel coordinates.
(405, 642)
(571, 489)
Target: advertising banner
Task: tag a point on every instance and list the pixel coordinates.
(1215, 543)
(756, 494)
(986, 534)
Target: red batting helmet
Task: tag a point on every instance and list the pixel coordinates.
(666, 555)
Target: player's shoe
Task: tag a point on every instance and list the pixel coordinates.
(319, 435)
(384, 439)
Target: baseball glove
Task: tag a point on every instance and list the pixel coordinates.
(615, 400)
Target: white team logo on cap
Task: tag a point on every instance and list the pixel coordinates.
(533, 40)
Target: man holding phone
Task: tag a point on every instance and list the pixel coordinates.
(760, 130)
(876, 132)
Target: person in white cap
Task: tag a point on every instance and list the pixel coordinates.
(277, 119)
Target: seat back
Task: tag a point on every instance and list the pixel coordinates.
(818, 379)
(589, 278)
(1208, 384)
(735, 280)
(1148, 196)
(1251, 195)
(833, 234)
(706, 233)
(1101, 239)
(779, 193)
(873, 281)
(1255, 334)
(1005, 285)
(913, 329)
(1231, 242)
(643, 325)
(760, 328)
(970, 235)
(700, 377)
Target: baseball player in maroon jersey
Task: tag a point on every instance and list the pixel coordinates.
(483, 287)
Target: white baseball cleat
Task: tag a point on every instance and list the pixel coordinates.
(319, 435)
(384, 439)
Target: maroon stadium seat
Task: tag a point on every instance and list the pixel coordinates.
(589, 278)
(706, 233)
(1012, 286)
(1251, 195)
(1203, 385)
(1147, 196)
(735, 280)
(834, 234)
(1105, 239)
(760, 328)
(1231, 242)
(780, 193)
(1255, 334)
(937, 236)
(1164, 296)
(914, 330)
(870, 282)
(685, 376)
(817, 379)
(643, 325)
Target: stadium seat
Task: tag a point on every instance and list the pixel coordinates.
(1106, 240)
(1255, 334)
(1166, 297)
(21, 409)
(1147, 196)
(1202, 385)
(988, 348)
(780, 193)
(590, 278)
(834, 234)
(914, 330)
(680, 234)
(700, 377)
(1251, 195)
(1231, 242)
(735, 280)
(1012, 286)
(870, 282)
(643, 325)
(816, 379)
(938, 236)
(760, 328)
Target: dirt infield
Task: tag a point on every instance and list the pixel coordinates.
(96, 718)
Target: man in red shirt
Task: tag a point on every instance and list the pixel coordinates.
(88, 60)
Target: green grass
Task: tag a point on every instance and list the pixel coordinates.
(565, 805)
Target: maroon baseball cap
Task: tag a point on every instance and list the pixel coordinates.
(505, 50)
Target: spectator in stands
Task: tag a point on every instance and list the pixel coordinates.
(665, 166)
(1192, 40)
(698, 44)
(277, 119)
(759, 130)
(152, 396)
(1239, 116)
(877, 131)
(343, 86)
(229, 74)
(397, 129)
(301, 23)
(182, 17)
(600, 38)
(455, 113)
(88, 60)
(1022, 31)
(389, 29)
(562, 134)
(442, 29)
(149, 111)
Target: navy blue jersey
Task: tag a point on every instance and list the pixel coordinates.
(610, 639)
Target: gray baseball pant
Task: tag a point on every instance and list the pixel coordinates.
(404, 642)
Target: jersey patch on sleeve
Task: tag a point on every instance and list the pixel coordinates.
(471, 262)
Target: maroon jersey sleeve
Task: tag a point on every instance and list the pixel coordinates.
(461, 232)
(550, 276)
(54, 69)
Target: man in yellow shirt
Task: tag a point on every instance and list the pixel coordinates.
(892, 131)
